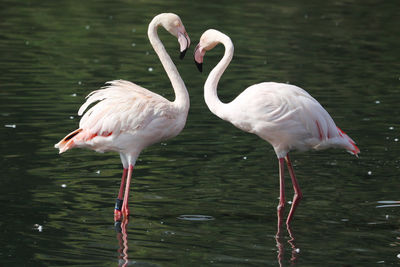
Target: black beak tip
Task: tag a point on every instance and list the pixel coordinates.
(183, 53)
(199, 66)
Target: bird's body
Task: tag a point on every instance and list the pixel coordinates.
(284, 115)
(127, 118)
(287, 117)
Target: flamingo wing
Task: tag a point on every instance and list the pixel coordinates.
(287, 117)
(121, 106)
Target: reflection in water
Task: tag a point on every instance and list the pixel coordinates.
(195, 217)
(122, 236)
(388, 204)
(279, 237)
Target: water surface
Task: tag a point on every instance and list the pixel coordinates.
(207, 197)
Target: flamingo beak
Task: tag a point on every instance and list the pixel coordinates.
(199, 53)
(184, 43)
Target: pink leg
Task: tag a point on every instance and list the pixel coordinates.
(281, 205)
(118, 204)
(297, 192)
(125, 209)
(121, 189)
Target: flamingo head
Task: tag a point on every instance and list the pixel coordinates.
(173, 24)
(208, 40)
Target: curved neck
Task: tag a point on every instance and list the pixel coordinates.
(181, 94)
(210, 87)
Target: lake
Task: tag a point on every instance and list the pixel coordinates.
(207, 197)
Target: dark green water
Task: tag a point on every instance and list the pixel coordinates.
(209, 196)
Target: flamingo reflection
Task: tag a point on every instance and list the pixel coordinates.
(122, 236)
(280, 240)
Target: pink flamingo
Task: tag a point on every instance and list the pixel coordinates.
(284, 115)
(128, 118)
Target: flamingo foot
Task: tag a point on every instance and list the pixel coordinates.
(125, 211)
(125, 214)
(117, 216)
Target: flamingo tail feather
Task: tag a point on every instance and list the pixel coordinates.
(352, 148)
(67, 142)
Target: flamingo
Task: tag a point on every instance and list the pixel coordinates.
(128, 118)
(284, 115)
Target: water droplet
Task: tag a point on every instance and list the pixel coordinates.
(133, 30)
(398, 256)
(396, 139)
(147, 53)
(10, 126)
(391, 128)
(297, 250)
(98, 171)
(38, 227)
(27, 42)
(87, 27)
(63, 185)
(245, 158)
(369, 172)
(387, 216)
(377, 102)
(74, 94)
(133, 44)
(150, 69)
(169, 233)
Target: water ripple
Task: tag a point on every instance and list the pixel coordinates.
(388, 204)
(196, 218)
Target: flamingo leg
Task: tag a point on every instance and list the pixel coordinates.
(281, 205)
(125, 209)
(298, 195)
(119, 202)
